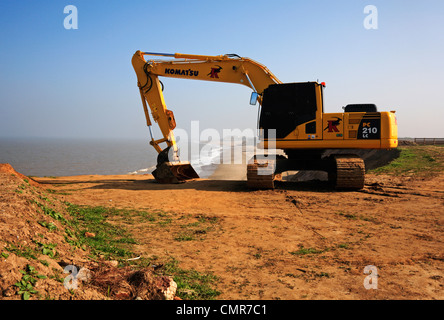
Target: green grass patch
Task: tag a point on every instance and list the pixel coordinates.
(47, 249)
(52, 191)
(418, 160)
(343, 246)
(22, 251)
(304, 251)
(48, 225)
(27, 282)
(184, 236)
(197, 228)
(191, 284)
(111, 241)
(313, 251)
(355, 216)
(50, 212)
(114, 242)
(349, 216)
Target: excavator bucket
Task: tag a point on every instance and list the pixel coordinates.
(174, 172)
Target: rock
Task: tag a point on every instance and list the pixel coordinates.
(8, 292)
(113, 263)
(84, 274)
(170, 292)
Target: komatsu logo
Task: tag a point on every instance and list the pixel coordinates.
(332, 125)
(214, 72)
(180, 72)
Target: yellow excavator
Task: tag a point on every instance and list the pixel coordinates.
(291, 119)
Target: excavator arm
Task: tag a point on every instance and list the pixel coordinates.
(222, 68)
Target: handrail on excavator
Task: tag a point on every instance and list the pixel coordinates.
(189, 56)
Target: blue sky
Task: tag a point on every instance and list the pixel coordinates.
(80, 83)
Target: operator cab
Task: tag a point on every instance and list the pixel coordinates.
(288, 105)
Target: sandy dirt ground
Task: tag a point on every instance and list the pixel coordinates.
(303, 240)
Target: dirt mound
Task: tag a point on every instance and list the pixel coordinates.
(42, 256)
(32, 242)
(7, 168)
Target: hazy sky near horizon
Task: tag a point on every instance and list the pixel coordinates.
(80, 83)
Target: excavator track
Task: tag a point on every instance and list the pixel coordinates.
(348, 172)
(260, 173)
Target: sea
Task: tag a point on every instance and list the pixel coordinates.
(54, 157)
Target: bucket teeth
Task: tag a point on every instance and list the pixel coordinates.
(174, 172)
